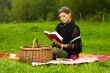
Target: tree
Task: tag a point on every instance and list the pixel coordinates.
(5, 7)
(20, 10)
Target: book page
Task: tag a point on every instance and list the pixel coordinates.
(54, 33)
(57, 35)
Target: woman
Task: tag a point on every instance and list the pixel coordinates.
(70, 32)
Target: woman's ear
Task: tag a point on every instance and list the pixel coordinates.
(69, 14)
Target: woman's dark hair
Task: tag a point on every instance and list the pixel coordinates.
(64, 9)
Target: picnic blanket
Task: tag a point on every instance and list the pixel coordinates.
(83, 58)
(10, 56)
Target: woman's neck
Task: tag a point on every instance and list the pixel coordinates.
(67, 22)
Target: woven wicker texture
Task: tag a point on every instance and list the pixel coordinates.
(36, 53)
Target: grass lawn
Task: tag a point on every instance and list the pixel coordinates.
(95, 39)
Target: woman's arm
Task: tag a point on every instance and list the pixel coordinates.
(75, 44)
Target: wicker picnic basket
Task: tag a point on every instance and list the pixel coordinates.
(36, 53)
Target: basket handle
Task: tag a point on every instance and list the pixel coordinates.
(35, 41)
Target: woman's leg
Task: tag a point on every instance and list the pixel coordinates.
(58, 53)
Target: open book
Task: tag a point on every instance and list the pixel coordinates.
(53, 35)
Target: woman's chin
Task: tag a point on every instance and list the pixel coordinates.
(63, 22)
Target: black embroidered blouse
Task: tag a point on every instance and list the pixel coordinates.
(70, 32)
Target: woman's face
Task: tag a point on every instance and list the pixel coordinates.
(64, 17)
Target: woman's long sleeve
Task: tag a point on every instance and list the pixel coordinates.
(75, 44)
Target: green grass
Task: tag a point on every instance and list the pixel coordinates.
(95, 39)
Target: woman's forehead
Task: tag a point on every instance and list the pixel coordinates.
(63, 14)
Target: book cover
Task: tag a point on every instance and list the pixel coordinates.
(53, 35)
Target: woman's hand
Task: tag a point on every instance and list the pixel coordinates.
(56, 42)
(59, 44)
